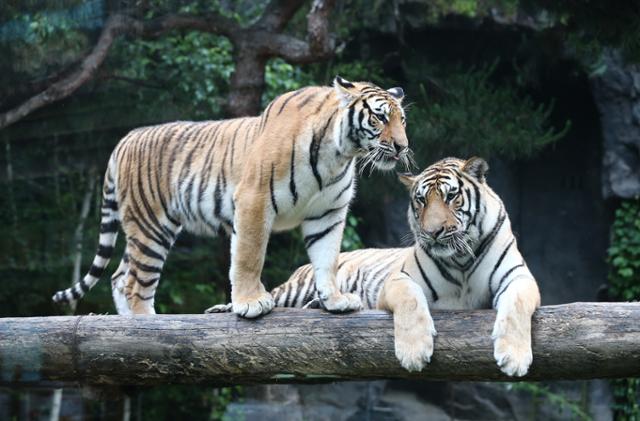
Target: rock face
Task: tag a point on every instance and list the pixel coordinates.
(617, 95)
(434, 401)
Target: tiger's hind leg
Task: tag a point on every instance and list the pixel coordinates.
(147, 250)
(118, 286)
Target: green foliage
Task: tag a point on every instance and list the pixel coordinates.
(351, 239)
(190, 70)
(223, 397)
(627, 399)
(624, 252)
(281, 77)
(597, 24)
(438, 9)
(37, 44)
(178, 402)
(462, 113)
(624, 283)
(542, 393)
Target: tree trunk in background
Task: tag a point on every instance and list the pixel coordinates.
(56, 404)
(78, 235)
(126, 407)
(247, 83)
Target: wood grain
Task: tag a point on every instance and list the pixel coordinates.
(574, 341)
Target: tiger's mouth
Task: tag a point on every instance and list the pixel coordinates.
(385, 158)
(456, 243)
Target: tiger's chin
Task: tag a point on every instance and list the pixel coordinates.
(386, 164)
(459, 246)
(441, 250)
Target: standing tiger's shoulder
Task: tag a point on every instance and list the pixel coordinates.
(294, 109)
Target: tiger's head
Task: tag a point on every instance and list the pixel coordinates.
(373, 124)
(445, 200)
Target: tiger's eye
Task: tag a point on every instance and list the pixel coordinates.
(451, 195)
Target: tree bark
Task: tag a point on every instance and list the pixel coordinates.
(247, 84)
(574, 341)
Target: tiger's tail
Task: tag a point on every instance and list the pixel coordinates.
(107, 240)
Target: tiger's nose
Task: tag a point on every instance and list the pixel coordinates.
(435, 233)
(399, 148)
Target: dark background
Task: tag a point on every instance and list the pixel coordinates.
(548, 93)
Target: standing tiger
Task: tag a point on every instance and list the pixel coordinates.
(291, 166)
(464, 257)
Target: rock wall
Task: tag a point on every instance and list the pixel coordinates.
(616, 91)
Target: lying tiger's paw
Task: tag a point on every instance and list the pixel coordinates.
(512, 352)
(341, 303)
(414, 340)
(252, 308)
(220, 308)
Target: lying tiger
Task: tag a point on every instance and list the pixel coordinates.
(464, 257)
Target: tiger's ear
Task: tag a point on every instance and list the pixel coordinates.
(397, 93)
(346, 90)
(476, 167)
(407, 179)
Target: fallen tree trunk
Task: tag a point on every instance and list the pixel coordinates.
(575, 341)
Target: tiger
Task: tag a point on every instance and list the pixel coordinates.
(464, 256)
(294, 165)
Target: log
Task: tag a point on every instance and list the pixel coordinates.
(574, 341)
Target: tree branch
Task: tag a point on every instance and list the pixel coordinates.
(252, 47)
(277, 14)
(67, 85)
(320, 42)
(575, 341)
(318, 45)
(116, 25)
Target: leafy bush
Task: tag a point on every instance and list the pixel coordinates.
(624, 283)
(624, 252)
(543, 393)
(461, 112)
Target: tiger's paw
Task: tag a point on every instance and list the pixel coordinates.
(253, 307)
(220, 308)
(512, 353)
(341, 303)
(414, 341)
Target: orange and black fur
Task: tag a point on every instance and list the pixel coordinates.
(464, 256)
(291, 166)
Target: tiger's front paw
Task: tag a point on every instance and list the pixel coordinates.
(414, 340)
(512, 352)
(220, 308)
(341, 303)
(253, 307)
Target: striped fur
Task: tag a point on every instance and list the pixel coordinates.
(293, 165)
(464, 257)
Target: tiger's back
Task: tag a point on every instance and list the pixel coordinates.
(182, 173)
(361, 272)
